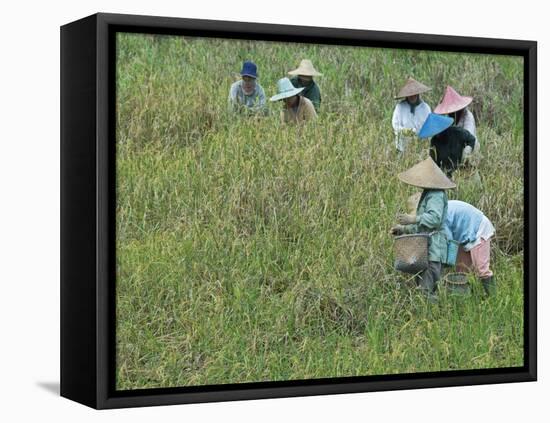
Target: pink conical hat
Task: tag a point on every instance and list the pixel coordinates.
(452, 102)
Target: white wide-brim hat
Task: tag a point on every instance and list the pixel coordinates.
(285, 89)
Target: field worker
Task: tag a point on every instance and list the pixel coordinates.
(456, 106)
(410, 113)
(430, 216)
(447, 142)
(247, 93)
(473, 231)
(296, 108)
(302, 77)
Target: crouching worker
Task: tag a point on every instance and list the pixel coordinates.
(296, 108)
(246, 93)
(303, 77)
(430, 218)
(409, 114)
(455, 106)
(447, 142)
(473, 231)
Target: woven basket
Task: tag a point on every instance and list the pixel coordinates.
(411, 253)
(457, 283)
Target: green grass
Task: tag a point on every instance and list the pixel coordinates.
(248, 250)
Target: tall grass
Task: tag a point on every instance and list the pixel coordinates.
(249, 250)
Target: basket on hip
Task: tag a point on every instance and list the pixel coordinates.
(411, 252)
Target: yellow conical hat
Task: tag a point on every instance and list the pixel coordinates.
(427, 175)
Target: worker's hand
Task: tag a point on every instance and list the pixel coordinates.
(408, 132)
(396, 230)
(406, 219)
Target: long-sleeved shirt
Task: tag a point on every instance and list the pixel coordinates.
(468, 122)
(447, 147)
(237, 97)
(430, 218)
(310, 91)
(404, 119)
(466, 224)
(304, 112)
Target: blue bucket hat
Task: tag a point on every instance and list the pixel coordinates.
(249, 69)
(434, 124)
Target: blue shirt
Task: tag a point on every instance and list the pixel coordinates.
(462, 222)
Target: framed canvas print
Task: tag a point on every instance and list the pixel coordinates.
(255, 211)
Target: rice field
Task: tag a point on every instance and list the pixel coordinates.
(249, 250)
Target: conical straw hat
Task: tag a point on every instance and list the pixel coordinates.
(305, 68)
(427, 175)
(434, 124)
(412, 87)
(452, 102)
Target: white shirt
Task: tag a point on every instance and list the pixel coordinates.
(468, 122)
(404, 119)
(485, 231)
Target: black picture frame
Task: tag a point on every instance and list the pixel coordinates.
(87, 210)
